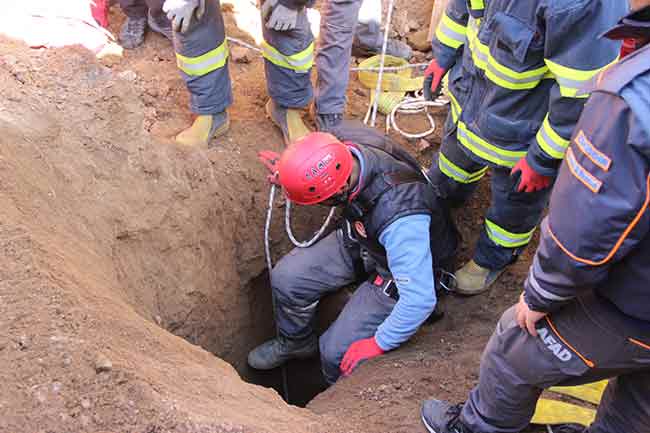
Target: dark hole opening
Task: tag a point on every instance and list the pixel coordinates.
(304, 377)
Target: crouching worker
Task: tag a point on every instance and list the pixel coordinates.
(393, 238)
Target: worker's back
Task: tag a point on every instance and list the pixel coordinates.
(628, 284)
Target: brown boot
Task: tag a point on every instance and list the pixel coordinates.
(473, 279)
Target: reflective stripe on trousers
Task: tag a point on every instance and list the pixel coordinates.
(300, 62)
(205, 63)
(505, 238)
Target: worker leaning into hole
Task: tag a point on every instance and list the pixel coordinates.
(387, 206)
(288, 50)
(584, 314)
(515, 70)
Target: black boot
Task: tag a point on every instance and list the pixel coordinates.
(279, 350)
(442, 417)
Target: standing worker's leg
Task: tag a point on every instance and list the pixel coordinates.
(337, 26)
(509, 226)
(454, 173)
(571, 349)
(288, 59)
(360, 318)
(133, 29)
(202, 57)
(299, 280)
(157, 20)
(625, 406)
(368, 37)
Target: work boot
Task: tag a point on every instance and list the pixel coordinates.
(442, 417)
(328, 122)
(132, 32)
(205, 128)
(473, 279)
(394, 47)
(160, 25)
(289, 120)
(279, 350)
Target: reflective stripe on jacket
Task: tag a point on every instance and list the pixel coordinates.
(517, 73)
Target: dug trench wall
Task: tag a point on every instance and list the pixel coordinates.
(113, 246)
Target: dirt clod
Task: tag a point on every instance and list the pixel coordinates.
(240, 54)
(419, 40)
(103, 364)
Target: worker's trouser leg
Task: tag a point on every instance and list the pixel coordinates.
(134, 8)
(302, 277)
(337, 26)
(510, 221)
(138, 8)
(625, 406)
(571, 349)
(155, 8)
(512, 217)
(360, 318)
(288, 59)
(202, 57)
(455, 173)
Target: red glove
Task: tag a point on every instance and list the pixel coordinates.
(358, 351)
(270, 160)
(529, 180)
(433, 80)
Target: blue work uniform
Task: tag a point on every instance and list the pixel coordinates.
(202, 58)
(591, 273)
(381, 237)
(515, 79)
(202, 54)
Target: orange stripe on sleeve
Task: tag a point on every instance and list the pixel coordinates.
(639, 343)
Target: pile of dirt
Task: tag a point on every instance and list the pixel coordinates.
(112, 241)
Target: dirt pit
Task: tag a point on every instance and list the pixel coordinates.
(132, 275)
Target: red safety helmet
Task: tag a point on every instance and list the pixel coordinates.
(314, 168)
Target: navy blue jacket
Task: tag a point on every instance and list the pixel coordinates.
(595, 241)
(517, 70)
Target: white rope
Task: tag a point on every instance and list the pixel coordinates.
(389, 16)
(370, 68)
(244, 44)
(413, 105)
(317, 235)
(267, 228)
(269, 265)
(391, 68)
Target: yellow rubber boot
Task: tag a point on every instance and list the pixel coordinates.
(289, 120)
(473, 279)
(205, 128)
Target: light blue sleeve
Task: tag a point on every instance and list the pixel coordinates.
(408, 249)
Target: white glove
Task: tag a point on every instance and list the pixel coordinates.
(282, 18)
(180, 12)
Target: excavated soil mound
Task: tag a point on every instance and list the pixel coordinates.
(113, 240)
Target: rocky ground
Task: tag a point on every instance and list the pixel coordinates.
(132, 279)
